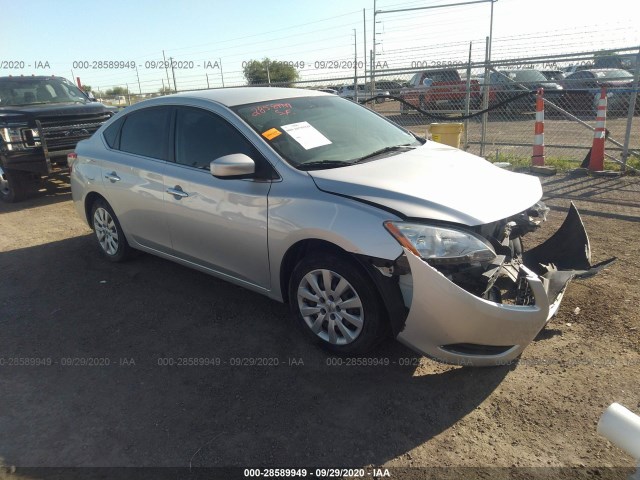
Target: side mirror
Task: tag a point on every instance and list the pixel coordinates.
(236, 165)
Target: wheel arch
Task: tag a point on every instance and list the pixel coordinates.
(89, 200)
(387, 287)
(298, 250)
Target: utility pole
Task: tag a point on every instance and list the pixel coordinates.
(397, 10)
(173, 72)
(355, 66)
(221, 74)
(268, 74)
(139, 87)
(364, 37)
(166, 70)
(373, 54)
(491, 29)
(128, 95)
(207, 75)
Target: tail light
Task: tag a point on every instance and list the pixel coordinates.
(71, 158)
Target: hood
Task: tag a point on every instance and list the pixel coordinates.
(53, 109)
(435, 182)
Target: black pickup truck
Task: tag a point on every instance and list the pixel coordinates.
(41, 121)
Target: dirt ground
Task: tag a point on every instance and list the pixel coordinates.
(96, 338)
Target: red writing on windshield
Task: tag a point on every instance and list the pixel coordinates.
(279, 108)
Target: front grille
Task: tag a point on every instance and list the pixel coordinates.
(64, 132)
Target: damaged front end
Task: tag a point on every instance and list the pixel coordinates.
(476, 297)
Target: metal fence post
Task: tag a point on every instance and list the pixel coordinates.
(632, 107)
(485, 99)
(467, 100)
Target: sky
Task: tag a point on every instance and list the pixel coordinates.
(210, 40)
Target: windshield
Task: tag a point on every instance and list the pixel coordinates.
(31, 91)
(328, 131)
(613, 74)
(524, 76)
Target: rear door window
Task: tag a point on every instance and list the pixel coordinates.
(146, 132)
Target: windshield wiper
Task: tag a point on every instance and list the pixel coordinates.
(395, 148)
(322, 164)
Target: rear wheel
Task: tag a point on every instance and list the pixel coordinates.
(108, 232)
(337, 304)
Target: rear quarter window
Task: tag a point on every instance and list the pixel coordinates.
(112, 134)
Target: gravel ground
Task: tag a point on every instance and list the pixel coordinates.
(61, 303)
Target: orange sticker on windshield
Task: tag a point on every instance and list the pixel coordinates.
(271, 133)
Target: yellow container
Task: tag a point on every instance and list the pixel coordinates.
(447, 133)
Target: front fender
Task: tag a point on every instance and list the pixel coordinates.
(353, 226)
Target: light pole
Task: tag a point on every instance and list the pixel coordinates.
(397, 10)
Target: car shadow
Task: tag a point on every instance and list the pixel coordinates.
(148, 363)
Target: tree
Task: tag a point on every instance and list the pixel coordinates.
(267, 71)
(165, 91)
(86, 88)
(117, 91)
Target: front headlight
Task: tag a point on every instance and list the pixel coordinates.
(18, 137)
(441, 245)
(12, 138)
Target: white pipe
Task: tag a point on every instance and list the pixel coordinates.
(622, 428)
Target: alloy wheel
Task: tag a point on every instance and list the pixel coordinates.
(330, 307)
(106, 231)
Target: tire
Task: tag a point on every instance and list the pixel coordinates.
(108, 233)
(15, 185)
(355, 323)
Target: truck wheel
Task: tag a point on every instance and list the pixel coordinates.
(14, 185)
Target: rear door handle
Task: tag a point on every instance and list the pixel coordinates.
(112, 177)
(177, 192)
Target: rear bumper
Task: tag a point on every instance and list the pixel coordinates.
(452, 325)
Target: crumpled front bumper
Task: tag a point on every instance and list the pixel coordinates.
(452, 325)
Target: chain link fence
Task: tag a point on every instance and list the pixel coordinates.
(496, 103)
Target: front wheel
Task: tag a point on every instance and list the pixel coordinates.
(108, 232)
(337, 304)
(15, 185)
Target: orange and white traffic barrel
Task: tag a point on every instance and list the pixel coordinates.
(596, 163)
(538, 141)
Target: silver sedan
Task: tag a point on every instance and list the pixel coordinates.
(365, 229)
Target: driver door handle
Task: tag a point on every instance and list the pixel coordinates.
(177, 192)
(112, 177)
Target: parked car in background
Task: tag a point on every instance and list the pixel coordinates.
(328, 90)
(41, 120)
(576, 68)
(439, 89)
(553, 75)
(363, 228)
(583, 90)
(388, 85)
(347, 91)
(507, 84)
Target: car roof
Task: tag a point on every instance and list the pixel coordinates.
(235, 96)
(31, 77)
